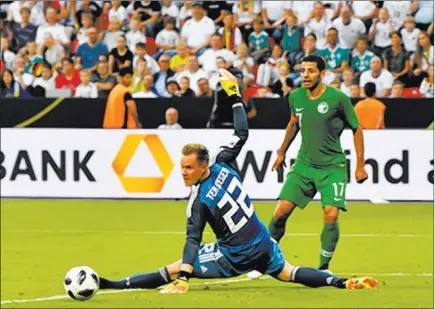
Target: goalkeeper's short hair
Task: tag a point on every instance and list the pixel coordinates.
(201, 152)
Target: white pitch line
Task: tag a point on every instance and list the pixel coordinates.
(183, 233)
(56, 297)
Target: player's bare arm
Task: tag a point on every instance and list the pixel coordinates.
(290, 134)
(358, 139)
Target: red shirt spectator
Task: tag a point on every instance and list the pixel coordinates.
(70, 79)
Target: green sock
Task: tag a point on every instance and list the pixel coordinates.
(329, 239)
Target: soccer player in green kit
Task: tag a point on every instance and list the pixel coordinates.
(321, 113)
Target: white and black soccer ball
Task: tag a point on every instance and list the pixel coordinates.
(81, 283)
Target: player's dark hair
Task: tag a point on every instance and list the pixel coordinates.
(317, 59)
(370, 89)
(200, 150)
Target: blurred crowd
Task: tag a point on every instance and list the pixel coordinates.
(77, 48)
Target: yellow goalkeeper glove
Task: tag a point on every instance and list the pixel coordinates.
(229, 83)
(176, 287)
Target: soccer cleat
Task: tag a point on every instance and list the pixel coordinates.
(367, 283)
(254, 275)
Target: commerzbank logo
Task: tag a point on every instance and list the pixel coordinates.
(158, 152)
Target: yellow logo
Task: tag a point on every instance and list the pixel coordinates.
(160, 155)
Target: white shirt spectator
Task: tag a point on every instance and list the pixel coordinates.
(193, 78)
(345, 89)
(172, 10)
(238, 39)
(333, 4)
(57, 31)
(349, 33)
(208, 58)
(383, 81)
(196, 33)
(319, 29)
(165, 37)
(245, 17)
(47, 84)
(86, 91)
(145, 95)
(8, 58)
(27, 78)
(120, 14)
(410, 39)
(82, 36)
(425, 63)
(329, 77)
(151, 63)
(426, 89)
(54, 55)
(363, 8)
(382, 34)
(275, 9)
(111, 39)
(250, 62)
(37, 17)
(183, 15)
(172, 126)
(398, 11)
(302, 9)
(133, 38)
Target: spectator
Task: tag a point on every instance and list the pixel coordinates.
(295, 59)
(135, 35)
(204, 90)
(367, 11)
(141, 52)
(179, 61)
(259, 46)
(172, 89)
(20, 75)
(36, 14)
(193, 72)
(265, 92)
(422, 58)
(161, 77)
(216, 10)
(86, 89)
(398, 10)
(396, 59)
(335, 83)
(70, 78)
(197, 31)
(31, 57)
(87, 23)
(397, 90)
(208, 58)
(337, 57)
(291, 40)
(10, 88)
(231, 34)
(245, 12)
(185, 13)
(380, 32)
(245, 63)
(149, 90)
(50, 50)
(426, 87)
(140, 71)
(361, 56)
(273, 14)
(185, 90)
(167, 39)
(379, 76)
(118, 12)
(103, 80)
(113, 33)
(171, 116)
(7, 55)
(370, 111)
(355, 91)
(169, 10)
(56, 30)
(268, 72)
(410, 34)
(43, 83)
(120, 56)
(318, 25)
(149, 12)
(423, 13)
(348, 27)
(347, 81)
(91, 51)
(24, 31)
(89, 7)
(284, 85)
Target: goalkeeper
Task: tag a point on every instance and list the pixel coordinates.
(243, 241)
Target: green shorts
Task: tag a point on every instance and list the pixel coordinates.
(304, 181)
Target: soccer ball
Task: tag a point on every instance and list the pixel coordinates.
(81, 283)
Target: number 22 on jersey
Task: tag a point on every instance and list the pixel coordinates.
(235, 204)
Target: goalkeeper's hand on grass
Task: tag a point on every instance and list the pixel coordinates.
(229, 83)
(178, 286)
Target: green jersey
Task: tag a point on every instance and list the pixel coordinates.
(321, 122)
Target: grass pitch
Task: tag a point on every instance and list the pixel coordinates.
(41, 240)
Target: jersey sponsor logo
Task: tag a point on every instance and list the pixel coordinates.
(160, 155)
(323, 108)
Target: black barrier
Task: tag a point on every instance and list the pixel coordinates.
(193, 113)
